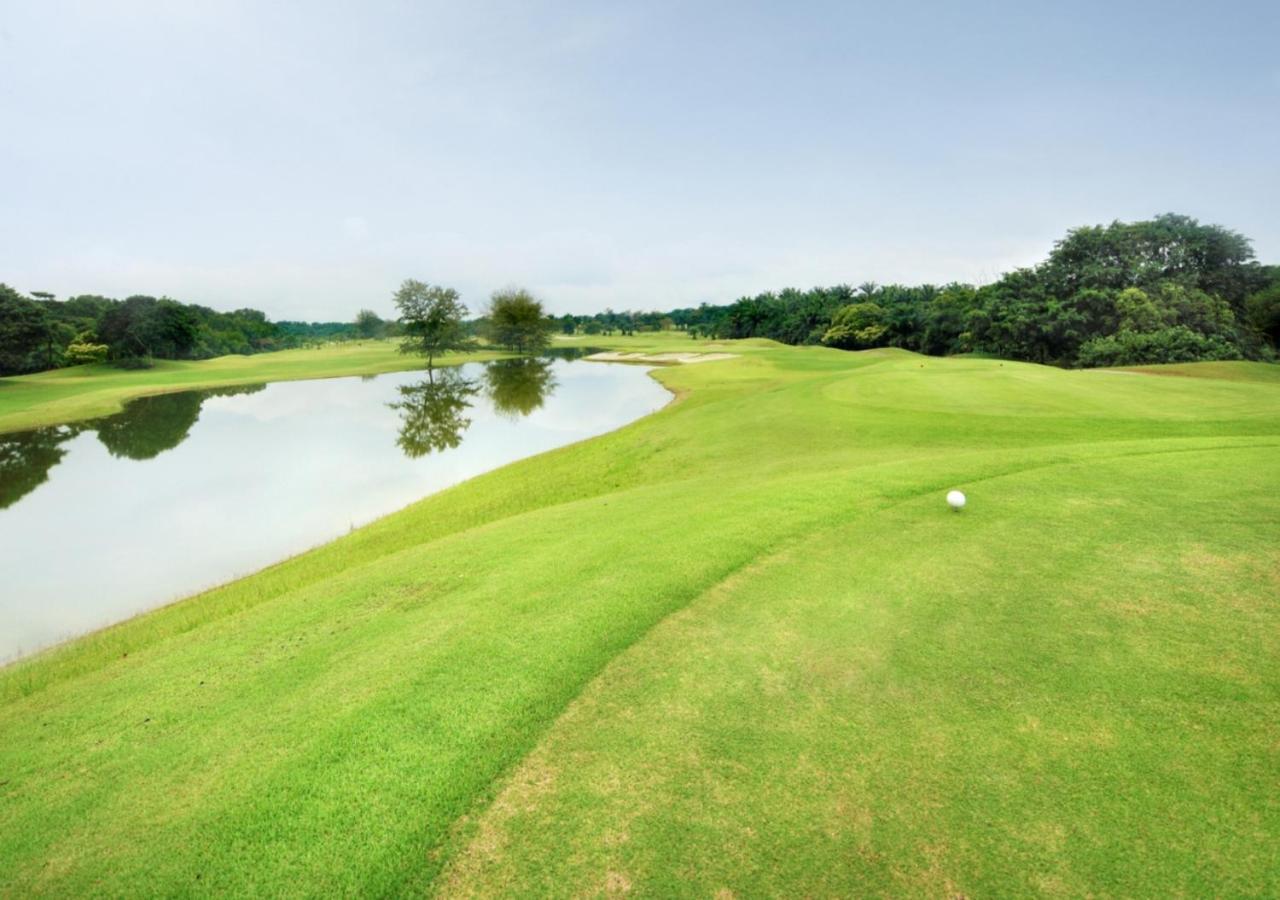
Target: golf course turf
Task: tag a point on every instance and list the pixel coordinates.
(740, 647)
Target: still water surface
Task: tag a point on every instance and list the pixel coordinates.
(104, 519)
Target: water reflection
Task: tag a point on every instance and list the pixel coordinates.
(568, 353)
(145, 428)
(433, 412)
(258, 478)
(433, 417)
(150, 425)
(25, 461)
(519, 386)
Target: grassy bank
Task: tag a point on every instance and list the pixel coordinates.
(740, 645)
(84, 392)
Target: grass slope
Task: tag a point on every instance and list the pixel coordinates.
(739, 646)
(83, 392)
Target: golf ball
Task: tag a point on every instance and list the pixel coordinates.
(955, 499)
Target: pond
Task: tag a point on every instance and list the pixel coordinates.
(103, 519)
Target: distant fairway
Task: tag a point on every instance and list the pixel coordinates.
(739, 648)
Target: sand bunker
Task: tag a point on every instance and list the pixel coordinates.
(660, 358)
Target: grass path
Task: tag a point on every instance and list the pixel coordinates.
(740, 646)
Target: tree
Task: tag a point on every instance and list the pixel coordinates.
(142, 327)
(41, 332)
(1138, 313)
(1142, 254)
(369, 324)
(1264, 312)
(945, 320)
(432, 317)
(24, 332)
(173, 328)
(855, 326)
(517, 321)
(126, 329)
(52, 332)
(85, 352)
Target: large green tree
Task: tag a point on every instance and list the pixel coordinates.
(857, 326)
(369, 324)
(517, 321)
(1169, 247)
(24, 332)
(1263, 311)
(432, 318)
(143, 327)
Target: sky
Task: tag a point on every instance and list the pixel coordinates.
(305, 157)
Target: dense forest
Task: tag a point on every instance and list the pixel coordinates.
(40, 332)
(1165, 290)
(1169, 289)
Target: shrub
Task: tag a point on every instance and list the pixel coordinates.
(1166, 345)
(857, 326)
(81, 353)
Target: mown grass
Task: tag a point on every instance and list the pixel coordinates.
(739, 646)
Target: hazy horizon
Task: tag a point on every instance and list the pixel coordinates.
(303, 159)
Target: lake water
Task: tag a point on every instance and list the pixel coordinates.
(179, 492)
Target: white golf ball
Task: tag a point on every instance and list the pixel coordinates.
(955, 499)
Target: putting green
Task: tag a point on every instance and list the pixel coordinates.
(740, 647)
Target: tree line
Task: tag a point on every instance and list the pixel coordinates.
(1168, 289)
(39, 332)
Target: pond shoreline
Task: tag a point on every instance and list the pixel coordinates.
(420, 445)
(74, 394)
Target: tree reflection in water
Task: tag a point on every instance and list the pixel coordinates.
(519, 386)
(148, 426)
(433, 412)
(144, 429)
(433, 416)
(25, 461)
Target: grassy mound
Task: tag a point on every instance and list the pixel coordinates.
(741, 645)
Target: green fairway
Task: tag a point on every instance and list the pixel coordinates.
(738, 648)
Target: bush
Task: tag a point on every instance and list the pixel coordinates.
(856, 326)
(1166, 345)
(1264, 312)
(81, 353)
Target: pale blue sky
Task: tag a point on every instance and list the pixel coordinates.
(304, 158)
